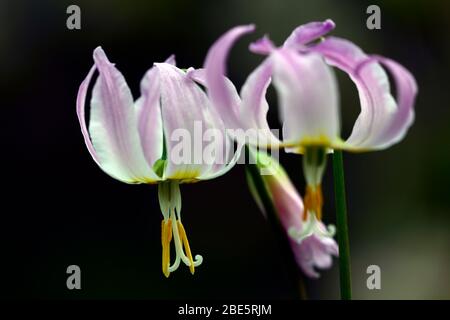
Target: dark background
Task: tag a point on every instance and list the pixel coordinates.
(58, 208)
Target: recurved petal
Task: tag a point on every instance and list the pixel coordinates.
(186, 116)
(308, 97)
(113, 126)
(406, 95)
(254, 106)
(308, 32)
(215, 65)
(382, 121)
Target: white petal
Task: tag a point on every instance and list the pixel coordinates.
(187, 115)
(308, 97)
(113, 126)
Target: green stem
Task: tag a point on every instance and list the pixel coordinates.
(342, 226)
(279, 231)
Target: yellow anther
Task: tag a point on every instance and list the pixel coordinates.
(313, 201)
(185, 241)
(166, 238)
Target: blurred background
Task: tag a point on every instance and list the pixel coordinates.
(58, 208)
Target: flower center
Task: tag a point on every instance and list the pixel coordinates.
(172, 228)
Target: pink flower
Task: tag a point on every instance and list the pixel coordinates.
(308, 93)
(132, 141)
(301, 72)
(312, 243)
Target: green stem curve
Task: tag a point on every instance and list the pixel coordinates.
(342, 226)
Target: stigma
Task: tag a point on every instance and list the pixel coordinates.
(173, 229)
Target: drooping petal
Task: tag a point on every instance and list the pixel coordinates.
(406, 94)
(113, 126)
(81, 103)
(254, 106)
(215, 66)
(308, 32)
(186, 116)
(148, 110)
(382, 121)
(308, 98)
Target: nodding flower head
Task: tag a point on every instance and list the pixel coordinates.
(136, 141)
(301, 71)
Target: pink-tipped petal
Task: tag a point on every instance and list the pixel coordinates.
(171, 60)
(262, 46)
(113, 126)
(382, 120)
(308, 97)
(215, 65)
(308, 32)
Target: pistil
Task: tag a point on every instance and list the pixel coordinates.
(172, 228)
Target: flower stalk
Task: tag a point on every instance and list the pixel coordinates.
(342, 226)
